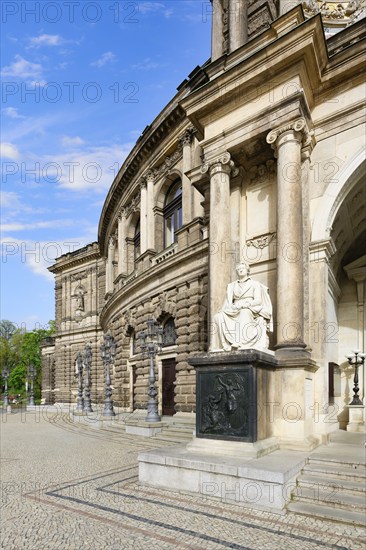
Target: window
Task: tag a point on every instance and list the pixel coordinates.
(137, 241)
(172, 213)
(169, 334)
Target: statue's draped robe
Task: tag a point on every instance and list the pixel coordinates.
(241, 327)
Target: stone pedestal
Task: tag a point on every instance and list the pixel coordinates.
(356, 421)
(232, 395)
(234, 456)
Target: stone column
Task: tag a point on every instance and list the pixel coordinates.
(220, 245)
(143, 215)
(186, 140)
(68, 298)
(238, 23)
(109, 266)
(287, 142)
(217, 43)
(122, 248)
(150, 243)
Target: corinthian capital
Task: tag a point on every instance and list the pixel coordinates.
(223, 163)
(300, 131)
(187, 136)
(143, 182)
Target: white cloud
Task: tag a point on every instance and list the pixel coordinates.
(10, 200)
(8, 150)
(8, 227)
(38, 255)
(91, 168)
(154, 7)
(46, 40)
(68, 141)
(21, 68)
(107, 57)
(12, 112)
(148, 64)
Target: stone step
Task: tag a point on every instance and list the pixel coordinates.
(327, 470)
(350, 462)
(332, 497)
(352, 487)
(327, 512)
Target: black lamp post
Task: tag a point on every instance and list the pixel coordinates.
(356, 359)
(5, 374)
(31, 377)
(87, 366)
(108, 352)
(79, 367)
(151, 343)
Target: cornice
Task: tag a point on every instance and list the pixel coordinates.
(73, 259)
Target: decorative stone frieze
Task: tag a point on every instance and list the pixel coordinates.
(337, 11)
(262, 241)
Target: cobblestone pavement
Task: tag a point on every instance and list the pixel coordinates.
(66, 486)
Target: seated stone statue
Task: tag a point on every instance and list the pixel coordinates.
(245, 319)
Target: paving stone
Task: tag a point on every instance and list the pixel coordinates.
(71, 486)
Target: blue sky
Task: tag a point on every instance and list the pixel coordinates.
(80, 82)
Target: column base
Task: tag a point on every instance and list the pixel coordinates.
(356, 421)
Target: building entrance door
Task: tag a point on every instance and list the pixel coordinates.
(168, 386)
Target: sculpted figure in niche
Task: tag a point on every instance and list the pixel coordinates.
(245, 318)
(80, 302)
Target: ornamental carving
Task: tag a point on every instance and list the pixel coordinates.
(262, 241)
(129, 320)
(167, 305)
(335, 11)
(78, 276)
(300, 126)
(262, 172)
(133, 206)
(166, 166)
(187, 137)
(223, 160)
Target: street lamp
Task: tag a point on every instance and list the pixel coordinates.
(108, 352)
(87, 366)
(151, 343)
(5, 374)
(79, 367)
(356, 359)
(31, 376)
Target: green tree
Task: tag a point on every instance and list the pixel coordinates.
(19, 349)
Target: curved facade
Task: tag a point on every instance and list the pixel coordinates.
(259, 156)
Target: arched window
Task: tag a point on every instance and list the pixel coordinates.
(169, 334)
(172, 213)
(133, 344)
(137, 241)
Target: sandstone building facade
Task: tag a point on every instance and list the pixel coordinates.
(259, 156)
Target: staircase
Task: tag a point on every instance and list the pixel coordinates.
(175, 429)
(332, 483)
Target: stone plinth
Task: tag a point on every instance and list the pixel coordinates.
(264, 483)
(146, 429)
(232, 395)
(356, 421)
